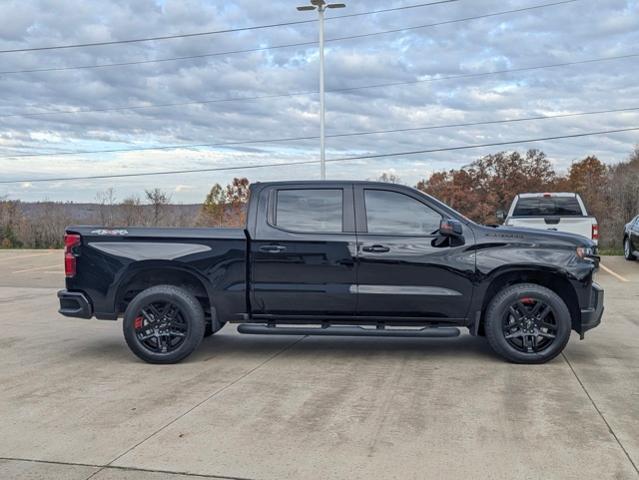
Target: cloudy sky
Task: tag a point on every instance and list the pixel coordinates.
(176, 102)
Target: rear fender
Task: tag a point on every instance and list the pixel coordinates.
(161, 272)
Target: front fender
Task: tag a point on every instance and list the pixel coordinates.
(556, 268)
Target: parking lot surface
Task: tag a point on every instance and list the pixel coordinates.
(76, 404)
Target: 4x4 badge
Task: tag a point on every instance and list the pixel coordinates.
(110, 232)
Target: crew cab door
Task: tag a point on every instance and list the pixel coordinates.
(304, 250)
(403, 268)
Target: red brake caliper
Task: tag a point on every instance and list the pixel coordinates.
(138, 323)
(527, 301)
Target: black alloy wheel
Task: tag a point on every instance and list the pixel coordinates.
(160, 327)
(529, 325)
(164, 324)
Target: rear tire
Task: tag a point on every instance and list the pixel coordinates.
(163, 324)
(527, 323)
(627, 250)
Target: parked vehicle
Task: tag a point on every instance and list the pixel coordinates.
(336, 258)
(631, 239)
(560, 212)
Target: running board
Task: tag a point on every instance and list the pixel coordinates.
(349, 331)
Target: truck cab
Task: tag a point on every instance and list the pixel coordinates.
(355, 251)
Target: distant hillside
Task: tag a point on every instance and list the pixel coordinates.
(91, 213)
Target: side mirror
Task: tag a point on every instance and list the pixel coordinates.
(501, 215)
(449, 227)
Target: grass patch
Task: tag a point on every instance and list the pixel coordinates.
(611, 251)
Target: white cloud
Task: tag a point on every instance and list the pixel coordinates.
(183, 188)
(570, 32)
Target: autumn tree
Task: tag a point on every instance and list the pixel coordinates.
(212, 212)
(490, 183)
(106, 206)
(226, 206)
(159, 201)
(504, 175)
(457, 188)
(237, 194)
(10, 221)
(131, 211)
(588, 177)
(389, 177)
(45, 228)
(622, 193)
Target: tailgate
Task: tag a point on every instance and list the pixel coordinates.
(578, 225)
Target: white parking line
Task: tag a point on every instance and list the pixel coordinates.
(616, 275)
(35, 269)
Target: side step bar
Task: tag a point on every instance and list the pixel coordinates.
(349, 331)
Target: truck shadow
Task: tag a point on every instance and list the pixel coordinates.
(323, 348)
(228, 345)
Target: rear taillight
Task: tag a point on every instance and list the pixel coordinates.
(71, 240)
(595, 231)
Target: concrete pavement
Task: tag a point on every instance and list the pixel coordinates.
(76, 404)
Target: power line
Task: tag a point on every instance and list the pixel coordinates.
(339, 135)
(289, 45)
(310, 162)
(150, 39)
(215, 32)
(448, 22)
(393, 9)
(160, 60)
(337, 90)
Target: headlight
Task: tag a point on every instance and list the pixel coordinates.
(583, 252)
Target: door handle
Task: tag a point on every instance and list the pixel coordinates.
(272, 248)
(376, 249)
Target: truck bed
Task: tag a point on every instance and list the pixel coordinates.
(157, 232)
(115, 263)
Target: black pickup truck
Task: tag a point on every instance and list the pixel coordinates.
(336, 258)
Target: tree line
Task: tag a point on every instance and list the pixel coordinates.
(42, 224)
(489, 184)
(478, 190)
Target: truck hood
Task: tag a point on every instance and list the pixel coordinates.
(547, 237)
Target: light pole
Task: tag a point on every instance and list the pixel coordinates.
(321, 6)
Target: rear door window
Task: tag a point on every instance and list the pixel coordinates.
(547, 207)
(312, 210)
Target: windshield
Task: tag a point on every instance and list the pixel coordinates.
(547, 206)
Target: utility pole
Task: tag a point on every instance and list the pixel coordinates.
(321, 6)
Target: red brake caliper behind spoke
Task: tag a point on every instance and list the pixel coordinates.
(138, 323)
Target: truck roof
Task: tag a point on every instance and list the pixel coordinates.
(547, 194)
(324, 182)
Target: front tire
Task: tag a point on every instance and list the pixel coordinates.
(163, 324)
(527, 323)
(627, 250)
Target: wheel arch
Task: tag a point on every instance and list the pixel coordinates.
(550, 278)
(143, 275)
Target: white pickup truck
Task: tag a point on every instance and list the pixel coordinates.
(562, 212)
